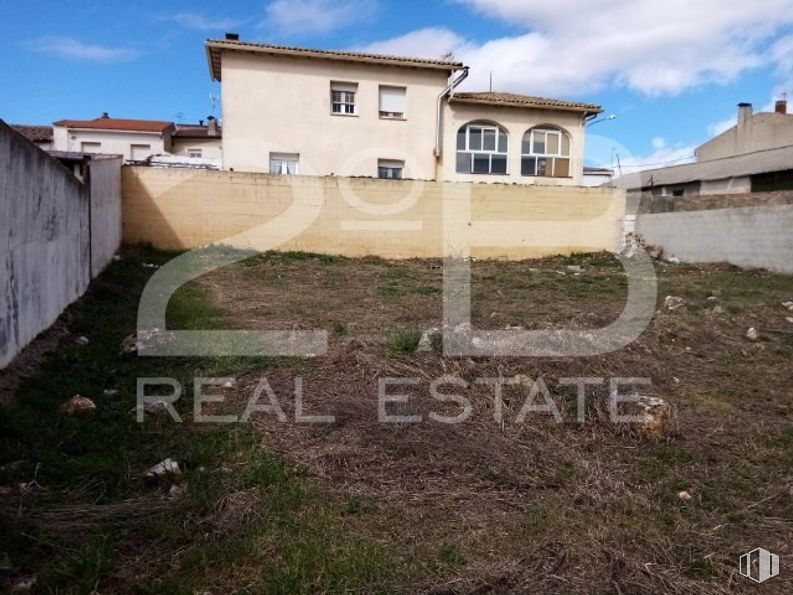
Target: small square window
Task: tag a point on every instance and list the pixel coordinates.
(390, 170)
(342, 98)
(285, 164)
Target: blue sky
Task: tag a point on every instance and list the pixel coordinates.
(671, 71)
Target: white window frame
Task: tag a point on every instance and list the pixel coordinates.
(195, 153)
(550, 158)
(134, 146)
(490, 153)
(389, 167)
(389, 114)
(279, 164)
(343, 96)
(95, 147)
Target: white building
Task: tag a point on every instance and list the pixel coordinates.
(293, 110)
(198, 141)
(135, 140)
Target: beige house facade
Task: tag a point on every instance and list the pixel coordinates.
(296, 111)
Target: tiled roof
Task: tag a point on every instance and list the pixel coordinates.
(195, 131)
(515, 100)
(759, 162)
(36, 134)
(116, 124)
(215, 48)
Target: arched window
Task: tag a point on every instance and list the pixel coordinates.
(546, 153)
(482, 149)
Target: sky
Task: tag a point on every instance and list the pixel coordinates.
(670, 71)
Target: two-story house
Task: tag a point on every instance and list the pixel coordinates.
(290, 110)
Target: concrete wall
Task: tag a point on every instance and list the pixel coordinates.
(111, 142)
(739, 185)
(752, 133)
(750, 230)
(47, 245)
(516, 121)
(104, 178)
(176, 208)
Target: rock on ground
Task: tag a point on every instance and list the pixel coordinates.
(77, 404)
(672, 302)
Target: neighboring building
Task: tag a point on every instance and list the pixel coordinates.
(41, 136)
(135, 140)
(753, 132)
(755, 155)
(761, 171)
(198, 141)
(319, 112)
(597, 176)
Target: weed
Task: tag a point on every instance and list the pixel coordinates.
(404, 341)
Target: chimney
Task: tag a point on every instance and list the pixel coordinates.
(781, 106)
(105, 115)
(744, 112)
(233, 36)
(200, 122)
(212, 126)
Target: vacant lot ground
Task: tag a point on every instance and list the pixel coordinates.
(521, 505)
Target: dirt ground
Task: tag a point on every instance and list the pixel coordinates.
(536, 506)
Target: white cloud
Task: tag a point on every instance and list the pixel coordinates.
(657, 48)
(432, 42)
(290, 17)
(716, 128)
(73, 49)
(200, 22)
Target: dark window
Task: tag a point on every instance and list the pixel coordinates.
(482, 149)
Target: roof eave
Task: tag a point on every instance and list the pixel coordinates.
(588, 110)
(214, 74)
(91, 129)
(214, 47)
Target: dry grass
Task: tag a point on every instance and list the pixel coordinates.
(483, 507)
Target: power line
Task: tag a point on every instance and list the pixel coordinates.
(662, 162)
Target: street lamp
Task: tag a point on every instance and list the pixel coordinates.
(610, 117)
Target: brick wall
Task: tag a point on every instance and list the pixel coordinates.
(181, 208)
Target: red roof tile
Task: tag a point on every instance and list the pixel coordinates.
(36, 134)
(515, 100)
(116, 124)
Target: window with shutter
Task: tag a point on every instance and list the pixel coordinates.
(392, 102)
